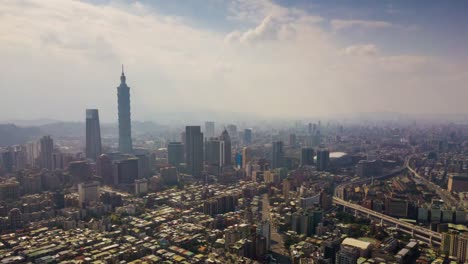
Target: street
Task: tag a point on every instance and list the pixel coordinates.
(277, 243)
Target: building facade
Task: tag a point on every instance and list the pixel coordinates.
(93, 134)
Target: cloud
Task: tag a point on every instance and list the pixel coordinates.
(339, 24)
(361, 50)
(65, 56)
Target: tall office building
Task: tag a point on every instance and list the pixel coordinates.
(125, 134)
(246, 156)
(175, 153)
(194, 150)
(93, 134)
(209, 129)
(214, 152)
(277, 157)
(227, 147)
(323, 159)
(247, 136)
(88, 192)
(80, 171)
(45, 156)
(307, 156)
(32, 152)
(125, 171)
(58, 161)
(7, 161)
(104, 168)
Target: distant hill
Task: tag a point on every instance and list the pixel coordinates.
(11, 134)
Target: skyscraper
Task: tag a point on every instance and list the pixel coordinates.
(277, 158)
(247, 136)
(194, 150)
(175, 153)
(125, 171)
(45, 156)
(323, 159)
(125, 134)
(246, 156)
(307, 156)
(227, 147)
(7, 161)
(93, 134)
(214, 152)
(209, 129)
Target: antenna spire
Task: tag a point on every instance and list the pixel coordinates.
(122, 77)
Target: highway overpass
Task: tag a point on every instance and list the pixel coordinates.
(423, 234)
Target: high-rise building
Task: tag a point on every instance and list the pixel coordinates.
(141, 186)
(264, 229)
(126, 171)
(15, 218)
(9, 190)
(247, 136)
(214, 152)
(227, 147)
(307, 156)
(144, 170)
(20, 156)
(194, 150)
(246, 156)
(455, 245)
(58, 161)
(209, 129)
(457, 183)
(125, 129)
(292, 140)
(80, 171)
(93, 134)
(277, 157)
(286, 188)
(7, 161)
(32, 152)
(45, 156)
(169, 175)
(323, 159)
(88, 192)
(104, 169)
(175, 153)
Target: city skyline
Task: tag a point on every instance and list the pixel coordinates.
(316, 59)
(255, 131)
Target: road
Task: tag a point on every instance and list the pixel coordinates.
(279, 252)
(445, 195)
(420, 232)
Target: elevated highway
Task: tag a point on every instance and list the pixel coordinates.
(423, 234)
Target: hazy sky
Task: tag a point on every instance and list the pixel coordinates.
(273, 58)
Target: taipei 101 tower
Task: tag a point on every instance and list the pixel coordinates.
(125, 128)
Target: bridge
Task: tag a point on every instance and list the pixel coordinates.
(420, 233)
(423, 234)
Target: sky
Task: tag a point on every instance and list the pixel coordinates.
(265, 58)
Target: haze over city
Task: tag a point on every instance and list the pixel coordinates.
(271, 59)
(233, 131)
